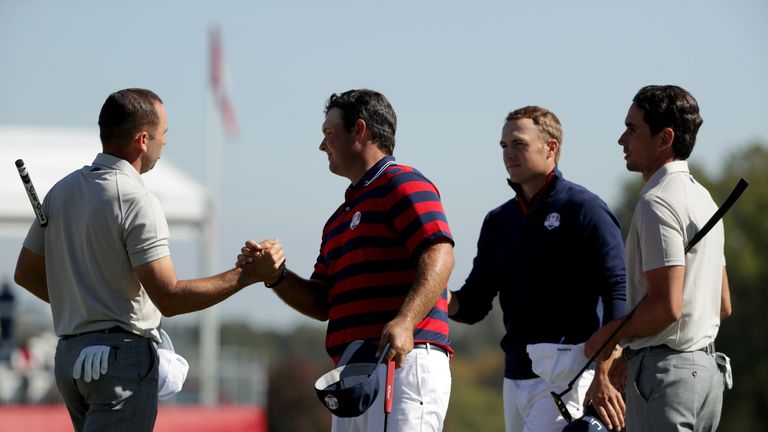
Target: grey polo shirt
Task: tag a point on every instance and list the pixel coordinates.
(102, 222)
(673, 207)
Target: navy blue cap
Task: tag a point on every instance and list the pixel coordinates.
(590, 422)
(349, 390)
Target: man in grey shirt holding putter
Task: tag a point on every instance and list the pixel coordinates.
(673, 381)
(104, 265)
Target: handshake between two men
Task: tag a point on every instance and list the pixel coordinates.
(262, 261)
(265, 262)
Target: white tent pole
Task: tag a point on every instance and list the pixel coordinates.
(209, 325)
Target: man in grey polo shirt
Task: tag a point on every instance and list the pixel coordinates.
(104, 265)
(673, 380)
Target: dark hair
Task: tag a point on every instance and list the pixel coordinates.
(125, 113)
(372, 108)
(545, 121)
(669, 106)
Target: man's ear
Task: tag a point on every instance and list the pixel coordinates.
(361, 130)
(666, 137)
(140, 141)
(552, 146)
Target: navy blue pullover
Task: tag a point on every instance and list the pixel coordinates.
(550, 261)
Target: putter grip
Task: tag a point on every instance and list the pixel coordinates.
(37, 207)
(389, 390)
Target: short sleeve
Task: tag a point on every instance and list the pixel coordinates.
(320, 271)
(35, 240)
(417, 213)
(661, 234)
(145, 230)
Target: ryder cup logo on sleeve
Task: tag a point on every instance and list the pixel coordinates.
(552, 221)
(355, 220)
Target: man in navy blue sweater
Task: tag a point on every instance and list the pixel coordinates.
(552, 253)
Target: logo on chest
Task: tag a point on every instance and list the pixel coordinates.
(552, 221)
(355, 220)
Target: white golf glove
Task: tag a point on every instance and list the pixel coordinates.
(724, 364)
(93, 361)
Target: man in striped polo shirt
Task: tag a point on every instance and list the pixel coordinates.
(384, 262)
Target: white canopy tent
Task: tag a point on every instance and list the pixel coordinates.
(51, 153)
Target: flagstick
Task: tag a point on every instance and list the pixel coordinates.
(210, 326)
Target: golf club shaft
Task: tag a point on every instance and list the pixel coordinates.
(383, 354)
(734, 195)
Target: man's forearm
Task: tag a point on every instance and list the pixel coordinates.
(603, 365)
(650, 318)
(725, 298)
(198, 294)
(39, 290)
(30, 274)
(453, 304)
(645, 321)
(662, 306)
(432, 273)
(310, 297)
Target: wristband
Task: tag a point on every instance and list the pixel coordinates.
(280, 278)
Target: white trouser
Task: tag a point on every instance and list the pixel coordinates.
(420, 399)
(528, 404)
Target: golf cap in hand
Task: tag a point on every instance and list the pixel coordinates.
(350, 389)
(173, 368)
(590, 422)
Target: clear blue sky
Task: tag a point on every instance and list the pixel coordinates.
(451, 69)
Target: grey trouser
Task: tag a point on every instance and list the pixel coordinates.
(670, 390)
(125, 399)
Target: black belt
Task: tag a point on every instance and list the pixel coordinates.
(115, 329)
(431, 346)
